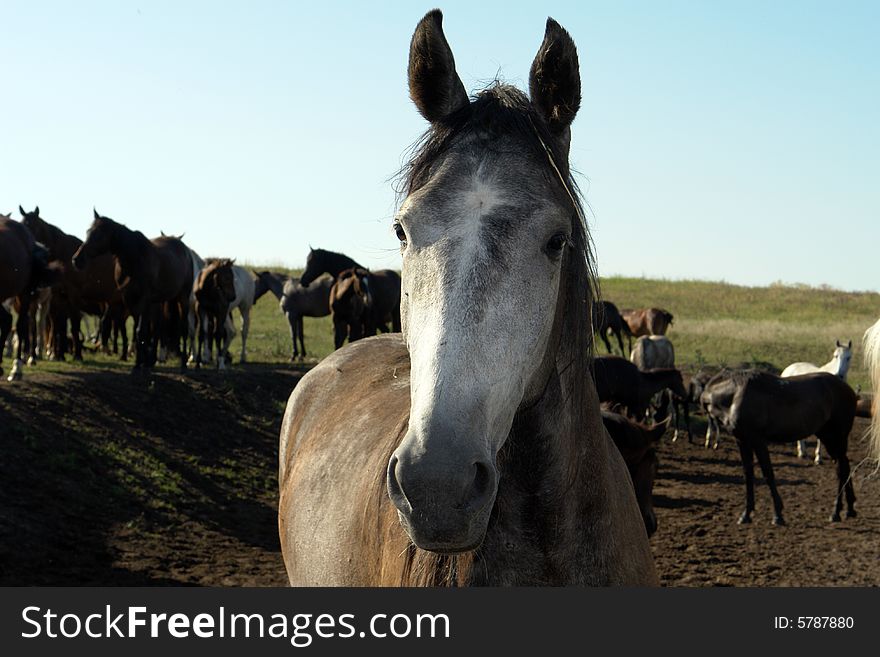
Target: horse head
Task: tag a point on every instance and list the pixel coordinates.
(491, 238)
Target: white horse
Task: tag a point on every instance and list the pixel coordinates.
(872, 362)
(652, 351)
(245, 289)
(838, 366)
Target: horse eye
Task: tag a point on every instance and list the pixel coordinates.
(557, 243)
(401, 233)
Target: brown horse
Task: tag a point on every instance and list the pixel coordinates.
(636, 444)
(760, 408)
(647, 321)
(382, 286)
(470, 450)
(93, 288)
(349, 306)
(214, 291)
(607, 319)
(24, 267)
(149, 273)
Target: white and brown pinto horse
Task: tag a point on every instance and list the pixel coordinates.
(838, 366)
(470, 450)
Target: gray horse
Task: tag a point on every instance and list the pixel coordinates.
(470, 450)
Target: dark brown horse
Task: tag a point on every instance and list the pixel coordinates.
(647, 321)
(470, 449)
(349, 306)
(149, 273)
(619, 381)
(607, 319)
(24, 267)
(382, 286)
(214, 292)
(636, 444)
(759, 408)
(91, 289)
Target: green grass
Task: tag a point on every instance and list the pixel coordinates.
(719, 323)
(715, 323)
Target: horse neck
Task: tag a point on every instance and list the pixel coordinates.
(551, 499)
(834, 366)
(335, 263)
(130, 247)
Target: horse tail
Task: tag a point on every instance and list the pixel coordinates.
(872, 362)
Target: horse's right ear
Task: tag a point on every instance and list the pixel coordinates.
(97, 216)
(21, 211)
(434, 85)
(838, 344)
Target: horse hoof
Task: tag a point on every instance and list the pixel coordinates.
(744, 520)
(851, 514)
(778, 521)
(15, 376)
(31, 361)
(835, 517)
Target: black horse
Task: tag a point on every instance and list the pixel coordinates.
(607, 319)
(150, 274)
(382, 287)
(760, 408)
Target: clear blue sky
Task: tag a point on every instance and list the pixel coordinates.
(717, 140)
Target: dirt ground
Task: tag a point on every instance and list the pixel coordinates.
(112, 479)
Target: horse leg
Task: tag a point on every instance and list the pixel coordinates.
(245, 328)
(801, 449)
(817, 457)
(767, 468)
(5, 330)
(619, 341)
(340, 332)
(75, 326)
(21, 330)
(221, 340)
(291, 321)
(300, 328)
(687, 420)
(745, 453)
(604, 336)
(837, 451)
(200, 348)
(395, 319)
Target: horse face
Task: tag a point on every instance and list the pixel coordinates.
(311, 272)
(97, 242)
(483, 241)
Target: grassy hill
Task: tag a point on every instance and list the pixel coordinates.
(715, 323)
(720, 323)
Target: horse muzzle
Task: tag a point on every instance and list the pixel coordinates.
(443, 503)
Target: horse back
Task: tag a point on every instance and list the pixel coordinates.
(789, 409)
(343, 420)
(173, 271)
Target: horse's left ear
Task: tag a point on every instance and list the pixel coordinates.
(555, 80)
(849, 345)
(37, 210)
(838, 344)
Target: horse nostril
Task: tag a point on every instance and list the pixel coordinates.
(482, 486)
(395, 491)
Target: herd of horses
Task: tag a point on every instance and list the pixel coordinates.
(181, 304)
(478, 441)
